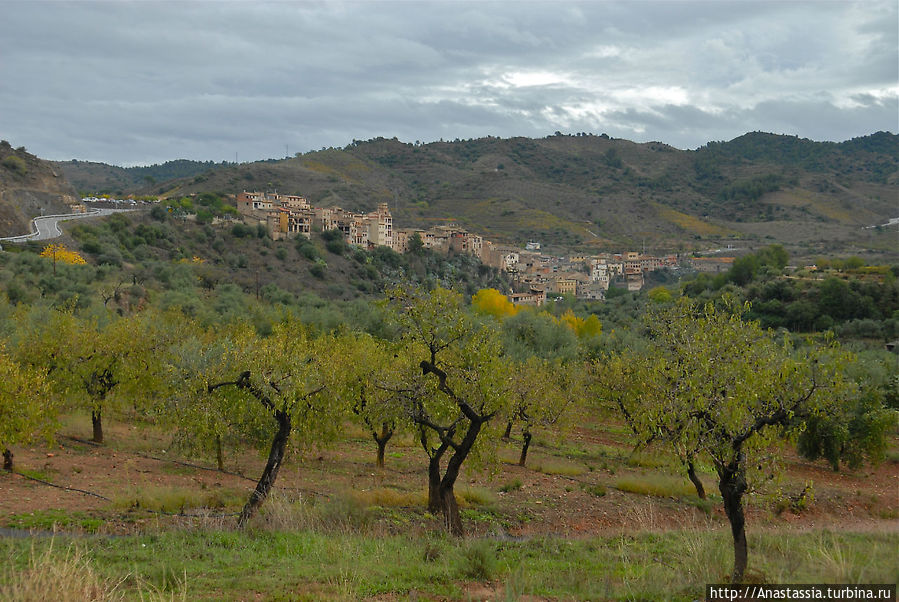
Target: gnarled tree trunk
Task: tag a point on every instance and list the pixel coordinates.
(382, 439)
(732, 485)
(694, 478)
(451, 517)
(219, 456)
(97, 422)
(435, 504)
(508, 432)
(270, 473)
(524, 446)
(7, 459)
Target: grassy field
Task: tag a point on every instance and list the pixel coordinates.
(586, 520)
(353, 563)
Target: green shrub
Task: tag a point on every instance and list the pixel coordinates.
(307, 249)
(513, 485)
(597, 490)
(478, 561)
(16, 164)
(337, 246)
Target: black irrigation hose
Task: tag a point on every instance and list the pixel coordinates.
(228, 472)
(63, 486)
(209, 468)
(97, 495)
(85, 441)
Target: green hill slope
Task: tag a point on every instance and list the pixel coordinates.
(590, 192)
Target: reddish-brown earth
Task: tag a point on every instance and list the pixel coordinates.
(137, 458)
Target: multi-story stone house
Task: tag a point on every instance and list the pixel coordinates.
(565, 285)
(533, 296)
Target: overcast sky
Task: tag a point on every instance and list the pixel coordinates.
(134, 83)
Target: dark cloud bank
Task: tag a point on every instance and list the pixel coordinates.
(143, 82)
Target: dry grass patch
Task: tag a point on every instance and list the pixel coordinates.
(179, 499)
(70, 576)
(387, 497)
(474, 496)
(559, 467)
(692, 224)
(656, 485)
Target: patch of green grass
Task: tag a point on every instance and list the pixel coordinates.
(513, 485)
(475, 496)
(478, 515)
(674, 565)
(36, 474)
(656, 485)
(597, 490)
(555, 466)
(50, 520)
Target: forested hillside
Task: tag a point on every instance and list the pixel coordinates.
(100, 178)
(592, 192)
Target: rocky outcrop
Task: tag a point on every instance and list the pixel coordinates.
(29, 187)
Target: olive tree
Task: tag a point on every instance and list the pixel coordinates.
(715, 385)
(450, 378)
(291, 378)
(543, 394)
(372, 399)
(94, 363)
(26, 406)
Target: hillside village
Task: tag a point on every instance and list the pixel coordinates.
(534, 274)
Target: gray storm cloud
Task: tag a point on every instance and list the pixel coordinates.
(143, 82)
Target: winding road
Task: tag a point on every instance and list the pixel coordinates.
(47, 227)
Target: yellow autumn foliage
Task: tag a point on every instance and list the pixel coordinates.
(59, 252)
(582, 327)
(491, 302)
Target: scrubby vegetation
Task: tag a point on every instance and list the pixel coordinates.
(382, 391)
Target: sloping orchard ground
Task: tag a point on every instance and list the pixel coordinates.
(585, 518)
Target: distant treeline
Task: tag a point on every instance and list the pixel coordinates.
(856, 301)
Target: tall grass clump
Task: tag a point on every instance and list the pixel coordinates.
(63, 577)
(656, 485)
(71, 576)
(558, 467)
(477, 561)
(341, 515)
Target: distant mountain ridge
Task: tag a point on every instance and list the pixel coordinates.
(88, 176)
(590, 192)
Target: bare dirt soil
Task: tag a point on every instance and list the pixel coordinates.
(522, 501)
